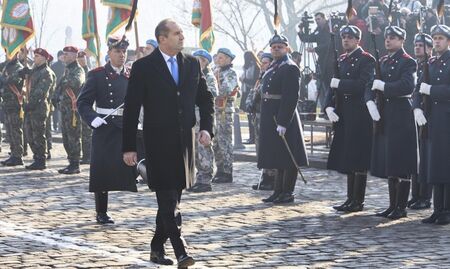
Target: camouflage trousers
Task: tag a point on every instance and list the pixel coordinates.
(35, 128)
(256, 124)
(223, 142)
(71, 134)
(204, 160)
(48, 131)
(86, 139)
(14, 132)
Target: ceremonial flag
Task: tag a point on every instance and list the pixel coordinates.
(89, 29)
(202, 18)
(119, 13)
(17, 26)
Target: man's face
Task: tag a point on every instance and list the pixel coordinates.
(69, 57)
(320, 21)
(265, 62)
(278, 50)
(440, 43)
(349, 42)
(117, 56)
(223, 60)
(82, 61)
(174, 40)
(393, 43)
(419, 49)
(39, 59)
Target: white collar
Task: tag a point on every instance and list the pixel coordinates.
(167, 57)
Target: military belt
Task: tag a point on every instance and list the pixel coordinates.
(271, 96)
(109, 111)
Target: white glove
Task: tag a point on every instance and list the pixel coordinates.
(378, 85)
(419, 117)
(334, 83)
(373, 111)
(331, 115)
(281, 130)
(425, 88)
(97, 122)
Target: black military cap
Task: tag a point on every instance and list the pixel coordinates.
(428, 40)
(395, 31)
(440, 29)
(279, 39)
(117, 43)
(350, 30)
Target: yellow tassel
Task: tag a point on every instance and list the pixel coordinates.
(74, 120)
(21, 114)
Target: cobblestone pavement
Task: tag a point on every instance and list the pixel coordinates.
(47, 221)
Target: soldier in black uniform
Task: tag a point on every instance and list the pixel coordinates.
(394, 148)
(420, 189)
(437, 119)
(345, 107)
(107, 87)
(279, 118)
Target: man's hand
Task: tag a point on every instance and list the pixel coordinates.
(130, 158)
(334, 83)
(204, 138)
(97, 122)
(425, 88)
(373, 110)
(378, 85)
(419, 117)
(281, 130)
(331, 114)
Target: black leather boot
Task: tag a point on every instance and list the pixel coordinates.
(222, 177)
(444, 217)
(438, 204)
(424, 201)
(278, 187)
(401, 200)
(359, 193)
(415, 191)
(13, 161)
(392, 187)
(287, 193)
(72, 168)
(266, 183)
(159, 257)
(38, 164)
(350, 185)
(101, 207)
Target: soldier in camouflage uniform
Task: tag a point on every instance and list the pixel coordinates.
(51, 110)
(42, 80)
(65, 99)
(253, 104)
(222, 143)
(86, 131)
(13, 96)
(204, 155)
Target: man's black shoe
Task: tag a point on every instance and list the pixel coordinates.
(200, 187)
(284, 198)
(249, 141)
(159, 257)
(421, 204)
(36, 165)
(103, 218)
(13, 161)
(70, 169)
(5, 161)
(223, 178)
(432, 218)
(184, 261)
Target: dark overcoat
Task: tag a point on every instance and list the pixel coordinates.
(107, 90)
(395, 149)
(169, 117)
(435, 155)
(352, 140)
(281, 79)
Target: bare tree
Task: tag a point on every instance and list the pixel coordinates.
(39, 9)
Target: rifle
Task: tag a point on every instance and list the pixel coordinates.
(336, 73)
(423, 130)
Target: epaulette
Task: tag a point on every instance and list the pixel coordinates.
(384, 58)
(432, 59)
(100, 68)
(342, 56)
(406, 55)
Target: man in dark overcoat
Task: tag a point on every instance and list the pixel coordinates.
(345, 107)
(437, 119)
(280, 120)
(394, 148)
(107, 86)
(169, 84)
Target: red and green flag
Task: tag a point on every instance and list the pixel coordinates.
(17, 26)
(89, 29)
(202, 18)
(119, 13)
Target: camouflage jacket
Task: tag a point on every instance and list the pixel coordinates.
(227, 84)
(211, 81)
(42, 83)
(12, 80)
(71, 82)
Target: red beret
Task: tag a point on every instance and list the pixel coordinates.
(70, 49)
(50, 58)
(42, 52)
(81, 53)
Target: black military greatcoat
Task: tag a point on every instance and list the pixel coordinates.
(107, 89)
(435, 158)
(352, 141)
(280, 80)
(394, 151)
(169, 117)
